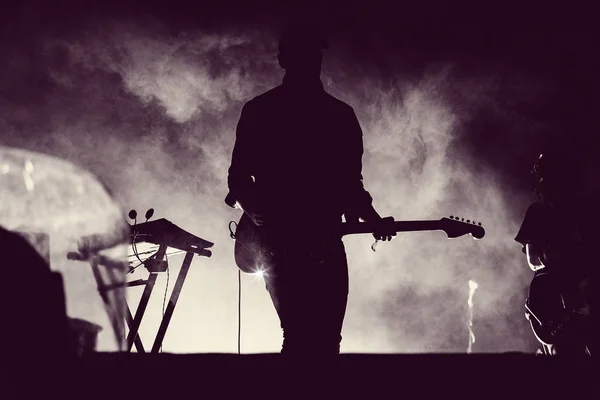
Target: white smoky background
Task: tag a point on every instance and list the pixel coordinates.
(153, 114)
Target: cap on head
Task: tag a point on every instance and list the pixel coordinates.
(302, 37)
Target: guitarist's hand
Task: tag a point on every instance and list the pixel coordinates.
(387, 231)
(384, 233)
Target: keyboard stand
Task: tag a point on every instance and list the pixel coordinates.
(134, 322)
(165, 234)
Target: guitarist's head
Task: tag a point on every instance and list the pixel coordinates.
(301, 46)
(559, 176)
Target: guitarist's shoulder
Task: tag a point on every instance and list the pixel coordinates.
(537, 211)
(535, 225)
(265, 99)
(338, 104)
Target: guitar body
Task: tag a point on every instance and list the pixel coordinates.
(557, 317)
(252, 249)
(256, 247)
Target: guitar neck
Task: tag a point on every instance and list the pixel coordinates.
(351, 228)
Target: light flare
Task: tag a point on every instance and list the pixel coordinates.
(260, 271)
(472, 287)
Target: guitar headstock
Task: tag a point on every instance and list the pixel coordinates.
(456, 227)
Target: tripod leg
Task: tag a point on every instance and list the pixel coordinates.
(138, 342)
(172, 302)
(141, 310)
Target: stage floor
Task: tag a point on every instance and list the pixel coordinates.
(369, 376)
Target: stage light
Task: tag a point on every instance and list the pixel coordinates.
(472, 287)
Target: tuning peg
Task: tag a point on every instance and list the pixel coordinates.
(480, 224)
(468, 221)
(451, 217)
(462, 220)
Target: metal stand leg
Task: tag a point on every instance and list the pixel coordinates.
(140, 311)
(172, 302)
(138, 342)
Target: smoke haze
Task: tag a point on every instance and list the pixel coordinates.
(153, 114)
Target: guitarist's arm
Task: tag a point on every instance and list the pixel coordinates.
(239, 178)
(533, 235)
(240, 175)
(534, 256)
(359, 199)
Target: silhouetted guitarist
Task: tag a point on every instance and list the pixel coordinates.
(558, 234)
(296, 169)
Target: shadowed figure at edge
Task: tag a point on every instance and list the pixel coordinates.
(296, 169)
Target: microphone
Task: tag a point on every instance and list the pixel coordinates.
(149, 214)
(133, 215)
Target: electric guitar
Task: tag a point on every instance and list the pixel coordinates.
(557, 314)
(254, 246)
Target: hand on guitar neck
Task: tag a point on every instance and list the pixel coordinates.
(385, 229)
